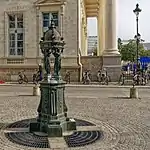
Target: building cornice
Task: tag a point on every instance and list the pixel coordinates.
(49, 2)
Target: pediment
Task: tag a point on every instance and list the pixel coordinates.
(45, 2)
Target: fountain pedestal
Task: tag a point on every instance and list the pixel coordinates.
(52, 110)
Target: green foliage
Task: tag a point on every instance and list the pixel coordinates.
(128, 51)
(145, 53)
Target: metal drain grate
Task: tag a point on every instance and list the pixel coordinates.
(82, 138)
(83, 123)
(21, 124)
(79, 138)
(28, 139)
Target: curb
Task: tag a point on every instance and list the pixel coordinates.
(19, 85)
(107, 86)
(80, 85)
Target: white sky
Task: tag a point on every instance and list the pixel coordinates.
(126, 22)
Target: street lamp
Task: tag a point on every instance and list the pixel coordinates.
(137, 37)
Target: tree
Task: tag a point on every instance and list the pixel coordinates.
(128, 51)
(145, 53)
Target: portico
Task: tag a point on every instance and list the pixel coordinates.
(105, 12)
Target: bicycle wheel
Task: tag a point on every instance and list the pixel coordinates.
(107, 80)
(20, 81)
(25, 79)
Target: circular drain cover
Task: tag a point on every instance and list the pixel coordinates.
(38, 140)
(82, 138)
(28, 139)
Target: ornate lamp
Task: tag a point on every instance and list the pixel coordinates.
(137, 10)
(137, 37)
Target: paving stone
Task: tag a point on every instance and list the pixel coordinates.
(124, 122)
(57, 143)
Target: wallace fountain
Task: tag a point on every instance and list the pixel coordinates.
(52, 128)
(52, 109)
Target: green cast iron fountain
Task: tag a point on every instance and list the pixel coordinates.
(52, 111)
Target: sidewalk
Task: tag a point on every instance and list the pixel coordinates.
(111, 85)
(93, 84)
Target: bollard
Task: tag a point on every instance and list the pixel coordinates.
(133, 92)
(36, 90)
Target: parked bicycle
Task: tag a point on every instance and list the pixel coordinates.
(38, 76)
(22, 78)
(86, 77)
(67, 77)
(140, 79)
(103, 77)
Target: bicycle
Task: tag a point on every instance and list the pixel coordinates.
(22, 78)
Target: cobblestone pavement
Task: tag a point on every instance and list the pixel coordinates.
(124, 122)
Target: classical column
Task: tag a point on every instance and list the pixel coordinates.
(101, 28)
(82, 37)
(111, 55)
(85, 38)
(111, 47)
(98, 37)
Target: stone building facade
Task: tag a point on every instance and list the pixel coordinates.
(23, 23)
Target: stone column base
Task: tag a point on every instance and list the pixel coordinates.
(112, 63)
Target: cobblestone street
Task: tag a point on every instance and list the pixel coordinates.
(125, 122)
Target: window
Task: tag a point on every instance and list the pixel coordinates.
(47, 17)
(16, 34)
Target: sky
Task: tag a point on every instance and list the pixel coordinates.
(126, 20)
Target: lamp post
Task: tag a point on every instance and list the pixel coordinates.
(137, 37)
